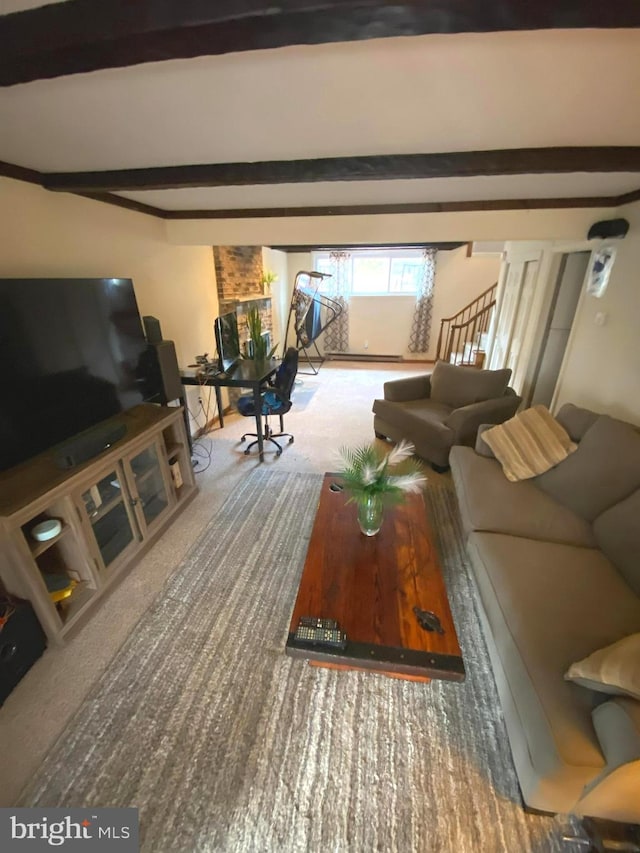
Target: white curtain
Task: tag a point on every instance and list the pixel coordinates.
(338, 287)
(421, 325)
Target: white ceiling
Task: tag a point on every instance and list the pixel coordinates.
(433, 93)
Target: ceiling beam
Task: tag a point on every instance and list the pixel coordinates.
(389, 209)
(10, 170)
(460, 164)
(87, 35)
(326, 247)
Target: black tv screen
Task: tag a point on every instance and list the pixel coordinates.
(227, 339)
(72, 353)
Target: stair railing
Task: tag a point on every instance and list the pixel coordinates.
(465, 327)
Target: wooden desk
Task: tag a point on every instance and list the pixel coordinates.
(245, 373)
(370, 586)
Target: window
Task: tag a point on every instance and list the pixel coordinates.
(377, 271)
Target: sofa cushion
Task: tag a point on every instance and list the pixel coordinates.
(529, 443)
(617, 532)
(614, 669)
(488, 501)
(414, 415)
(457, 386)
(614, 792)
(576, 420)
(604, 469)
(548, 605)
(617, 724)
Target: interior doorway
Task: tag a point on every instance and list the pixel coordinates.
(555, 336)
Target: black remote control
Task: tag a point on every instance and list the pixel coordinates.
(319, 632)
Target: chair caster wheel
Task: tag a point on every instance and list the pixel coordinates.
(278, 453)
(247, 451)
(291, 440)
(242, 439)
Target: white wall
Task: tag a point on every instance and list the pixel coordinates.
(44, 234)
(280, 295)
(560, 224)
(602, 362)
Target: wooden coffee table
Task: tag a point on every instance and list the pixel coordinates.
(370, 586)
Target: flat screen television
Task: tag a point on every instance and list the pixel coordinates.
(225, 329)
(72, 354)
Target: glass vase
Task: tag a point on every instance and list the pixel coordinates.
(370, 510)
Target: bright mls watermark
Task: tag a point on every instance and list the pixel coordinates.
(80, 830)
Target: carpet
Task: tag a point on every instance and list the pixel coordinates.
(226, 744)
(302, 395)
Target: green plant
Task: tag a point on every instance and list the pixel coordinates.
(367, 472)
(259, 343)
(268, 278)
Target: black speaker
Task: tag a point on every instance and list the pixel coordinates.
(152, 329)
(167, 372)
(88, 444)
(22, 641)
(608, 228)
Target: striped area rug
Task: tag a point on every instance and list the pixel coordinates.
(226, 744)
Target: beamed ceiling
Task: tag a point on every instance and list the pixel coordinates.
(241, 109)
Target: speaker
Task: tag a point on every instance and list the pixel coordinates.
(167, 372)
(152, 329)
(88, 444)
(22, 641)
(608, 228)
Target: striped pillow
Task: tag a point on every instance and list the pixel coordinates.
(529, 444)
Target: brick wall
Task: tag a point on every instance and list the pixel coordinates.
(238, 274)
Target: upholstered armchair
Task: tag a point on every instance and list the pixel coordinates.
(439, 409)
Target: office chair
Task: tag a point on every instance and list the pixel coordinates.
(276, 400)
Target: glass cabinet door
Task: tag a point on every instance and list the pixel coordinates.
(105, 506)
(152, 497)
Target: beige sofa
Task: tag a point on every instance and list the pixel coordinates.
(556, 561)
(437, 410)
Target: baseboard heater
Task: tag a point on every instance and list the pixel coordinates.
(357, 356)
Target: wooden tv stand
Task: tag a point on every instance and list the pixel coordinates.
(111, 508)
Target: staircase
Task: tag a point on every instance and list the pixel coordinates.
(463, 337)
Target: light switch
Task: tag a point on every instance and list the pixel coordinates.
(601, 318)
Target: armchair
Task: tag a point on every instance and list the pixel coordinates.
(275, 400)
(439, 409)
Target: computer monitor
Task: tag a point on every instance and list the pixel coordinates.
(227, 339)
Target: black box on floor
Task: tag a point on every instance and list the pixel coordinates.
(22, 641)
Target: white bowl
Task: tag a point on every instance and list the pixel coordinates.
(46, 529)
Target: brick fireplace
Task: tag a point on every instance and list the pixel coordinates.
(239, 282)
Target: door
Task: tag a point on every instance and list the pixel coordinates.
(568, 286)
(105, 508)
(515, 296)
(148, 479)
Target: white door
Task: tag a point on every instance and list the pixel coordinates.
(562, 311)
(515, 297)
(523, 316)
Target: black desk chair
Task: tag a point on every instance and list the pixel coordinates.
(275, 399)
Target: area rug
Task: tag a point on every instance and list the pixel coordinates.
(226, 744)
(302, 395)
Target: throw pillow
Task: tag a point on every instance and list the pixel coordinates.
(614, 669)
(529, 444)
(457, 386)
